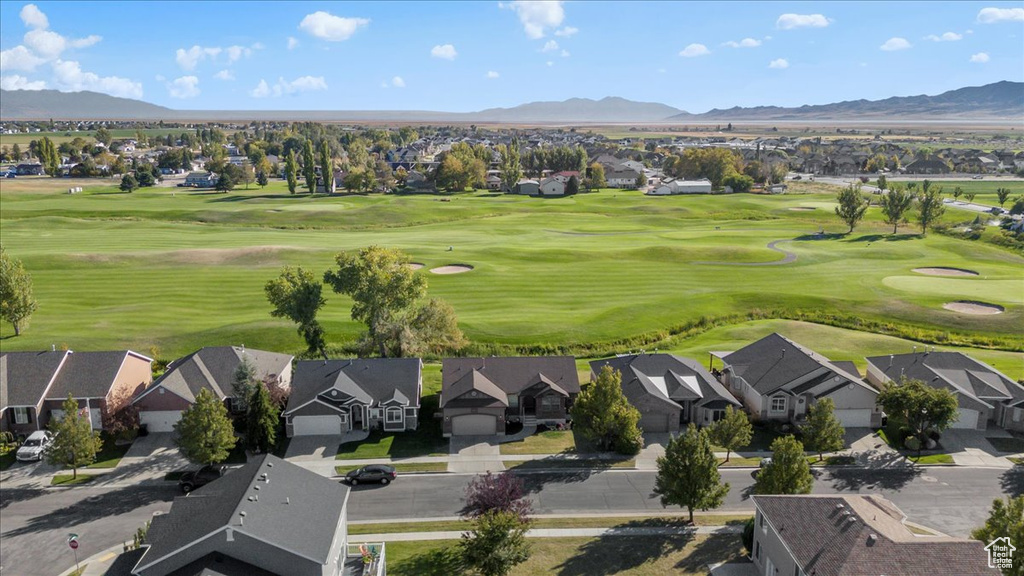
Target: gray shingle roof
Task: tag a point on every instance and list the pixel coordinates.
(511, 375)
(213, 368)
(775, 361)
(88, 374)
(295, 510)
(369, 380)
(678, 372)
(952, 369)
(823, 539)
(24, 376)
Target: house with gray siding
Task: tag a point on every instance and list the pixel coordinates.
(269, 517)
(855, 535)
(337, 396)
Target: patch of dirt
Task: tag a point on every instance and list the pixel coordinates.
(945, 271)
(414, 265)
(972, 307)
(452, 269)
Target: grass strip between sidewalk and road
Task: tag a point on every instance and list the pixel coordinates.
(569, 464)
(575, 522)
(407, 468)
(69, 480)
(932, 459)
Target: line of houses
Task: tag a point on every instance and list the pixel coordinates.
(773, 379)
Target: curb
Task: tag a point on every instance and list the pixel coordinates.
(96, 558)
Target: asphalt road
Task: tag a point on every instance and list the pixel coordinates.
(35, 523)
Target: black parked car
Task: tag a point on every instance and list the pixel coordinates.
(374, 473)
(193, 479)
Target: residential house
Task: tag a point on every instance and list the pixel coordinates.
(985, 395)
(269, 517)
(776, 188)
(201, 179)
(479, 395)
(678, 186)
(552, 187)
(34, 385)
(622, 178)
(853, 535)
(633, 165)
(331, 397)
(669, 391)
(418, 182)
(29, 169)
(527, 188)
(927, 167)
(493, 181)
(210, 368)
(565, 175)
(778, 379)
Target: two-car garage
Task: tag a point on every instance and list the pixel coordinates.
(856, 418)
(474, 425)
(323, 425)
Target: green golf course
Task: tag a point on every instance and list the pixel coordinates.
(168, 270)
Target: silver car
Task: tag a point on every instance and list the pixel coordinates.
(34, 447)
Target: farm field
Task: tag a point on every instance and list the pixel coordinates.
(177, 269)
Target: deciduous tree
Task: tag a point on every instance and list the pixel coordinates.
(261, 419)
(510, 167)
(788, 472)
(733, 432)
(291, 172)
(496, 545)
(74, 444)
(296, 295)
(204, 433)
(17, 303)
(309, 166)
(121, 418)
(929, 207)
(602, 414)
(823, 432)
(919, 406)
(326, 167)
(1005, 520)
(895, 204)
(688, 473)
(852, 206)
(497, 492)
(1003, 194)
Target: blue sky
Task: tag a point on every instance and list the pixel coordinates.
(465, 56)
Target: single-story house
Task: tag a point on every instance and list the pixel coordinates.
(201, 179)
(337, 396)
(853, 535)
(622, 177)
(669, 187)
(669, 391)
(493, 182)
(927, 166)
(565, 175)
(986, 395)
(479, 395)
(527, 188)
(552, 187)
(34, 385)
(210, 368)
(29, 169)
(269, 517)
(778, 379)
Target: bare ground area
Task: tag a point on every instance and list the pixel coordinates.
(945, 271)
(976, 308)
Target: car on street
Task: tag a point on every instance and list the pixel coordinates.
(381, 473)
(765, 462)
(34, 447)
(193, 479)
(977, 177)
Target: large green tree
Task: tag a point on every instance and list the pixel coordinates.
(918, 406)
(74, 444)
(291, 172)
(496, 544)
(895, 204)
(603, 415)
(788, 472)
(929, 207)
(688, 473)
(733, 432)
(17, 303)
(49, 157)
(296, 295)
(261, 419)
(326, 167)
(823, 432)
(595, 177)
(243, 381)
(309, 166)
(852, 206)
(510, 167)
(1006, 520)
(204, 433)
(129, 183)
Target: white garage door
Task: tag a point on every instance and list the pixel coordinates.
(474, 425)
(316, 425)
(854, 418)
(160, 420)
(968, 419)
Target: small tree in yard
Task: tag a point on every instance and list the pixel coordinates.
(497, 543)
(688, 473)
(242, 384)
(1006, 519)
(603, 415)
(852, 206)
(733, 432)
(496, 492)
(788, 472)
(823, 431)
(121, 418)
(895, 205)
(204, 432)
(919, 407)
(261, 419)
(75, 444)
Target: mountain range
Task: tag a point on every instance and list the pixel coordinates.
(998, 101)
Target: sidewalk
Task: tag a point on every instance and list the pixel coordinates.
(552, 533)
(97, 564)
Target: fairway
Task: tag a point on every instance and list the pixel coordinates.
(178, 269)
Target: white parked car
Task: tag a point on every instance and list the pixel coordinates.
(35, 444)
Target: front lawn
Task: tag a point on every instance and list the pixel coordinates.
(7, 455)
(110, 454)
(931, 459)
(577, 522)
(69, 480)
(1010, 445)
(547, 442)
(761, 441)
(573, 464)
(739, 462)
(1017, 461)
(426, 440)
(411, 467)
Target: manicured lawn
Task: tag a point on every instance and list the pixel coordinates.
(619, 555)
(411, 467)
(832, 461)
(547, 442)
(579, 522)
(69, 480)
(738, 462)
(1017, 461)
(557, 464)
(7, 456)
(110, 454)
(760, 442)
(932, 459)
(426, 440)
(1011, 445)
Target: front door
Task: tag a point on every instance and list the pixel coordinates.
(529, 406)
(358, 417)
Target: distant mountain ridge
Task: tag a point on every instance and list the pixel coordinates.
(1000, 100)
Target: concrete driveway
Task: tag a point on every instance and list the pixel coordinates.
(474, 454)
(149, 459)
(970, 447)
(303, 448)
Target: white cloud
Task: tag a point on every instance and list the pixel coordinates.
(397, 82)
(566, 31)
(694, 50)
(979, 58)
(947, 37)
(184, 87)
(993, 15)
(791, 21)
(235, 53)
(188, 59)
(491, 74)
(292, 43)
(779, 63)
(549, 46)
(745, 43)
(550, 63)
(225, 75)
(537, 16)
(282, 87)
(332, 28)
(894, 44)
(50, 45)
(565, 54)
(444, 51)
(68, 76)
(16, 82)
(19, 58)
(33, 17)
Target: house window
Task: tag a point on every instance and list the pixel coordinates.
(778, 404)
(551, 402)
(717, 415)
(375, 413)
(757, 550)
(21, 415)
(394, 415)
(764, 525)
(513, 401)
(344, 418)
(1016, 414)
(410, 412)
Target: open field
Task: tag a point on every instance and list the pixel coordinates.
(60, 137)
(178, 269)
(985, 190)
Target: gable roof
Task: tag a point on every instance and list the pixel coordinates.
(507, 375)
(89, 374)
(774, 361)
(474, 383)
(213, 368)
(667, 377)
(25, 376)
(289, 508)
(953, 370)
(367, 380)
(861, 535)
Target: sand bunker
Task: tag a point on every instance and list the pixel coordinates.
(972, 307)
(803, 208)
(945, 271)
(414, 265)
(452, 269)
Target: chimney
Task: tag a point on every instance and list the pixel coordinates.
(872, 538)
(231, 534)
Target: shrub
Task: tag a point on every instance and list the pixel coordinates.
(748, 536)
(912, 443)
